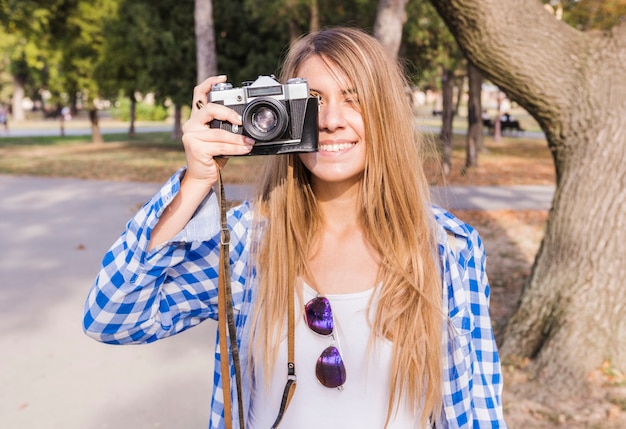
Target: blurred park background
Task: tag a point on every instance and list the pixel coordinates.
(508, 92)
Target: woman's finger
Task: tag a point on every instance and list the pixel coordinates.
(216, 142)
(201, 91)
(200, 118)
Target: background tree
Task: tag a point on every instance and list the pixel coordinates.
(570, 319)
(77, 33)
(253, 36)
(390, 18)
(429, 44)
(205, 39)
(26, 32)
(474, 140)
(122, 65)
(248, 43)
(171, 58)
(295, 16)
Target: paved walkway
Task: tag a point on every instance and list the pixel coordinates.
(523, 197)
(53, 234)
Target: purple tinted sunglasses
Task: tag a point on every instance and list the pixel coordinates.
(330, 370)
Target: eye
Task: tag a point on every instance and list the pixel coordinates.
(351, 97)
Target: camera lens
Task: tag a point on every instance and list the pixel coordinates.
(265, 119)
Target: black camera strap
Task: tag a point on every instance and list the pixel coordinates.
(226, 319)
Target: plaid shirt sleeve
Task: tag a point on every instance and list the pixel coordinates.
(472, 377)
(140, 296)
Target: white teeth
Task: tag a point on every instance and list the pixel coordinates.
(335, 147)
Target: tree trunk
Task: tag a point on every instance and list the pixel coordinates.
(447, 94)
(460, 82)
(315, 16)
(294, 28)
(17, 111)
(206, 56)
(177, 132)
(390, 17)
(474, 116)
(96, 135)
(497, 122)
(571, 316)
(133, 113)
(73, 102)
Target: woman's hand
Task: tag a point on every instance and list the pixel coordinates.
(205, 147)
(206, 150)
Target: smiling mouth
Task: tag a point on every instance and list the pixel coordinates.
(336, 147)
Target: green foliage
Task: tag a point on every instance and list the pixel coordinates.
(594, 14)
(587, 15)
(247, 44)
(81, 45)
(96, 48)
(252, 36)
(103, 46)
(128, 34)
(298, 13)
(25, 44)
(428, 45)
(170, 57)
(361, 13)
(143, 111)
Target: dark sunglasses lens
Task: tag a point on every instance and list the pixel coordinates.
(330, 370)
(319, 315)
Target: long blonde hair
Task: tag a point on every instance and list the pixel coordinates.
(394, 202)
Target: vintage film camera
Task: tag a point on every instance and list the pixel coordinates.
(280, 118)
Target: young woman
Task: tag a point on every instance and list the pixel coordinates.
(406, 341)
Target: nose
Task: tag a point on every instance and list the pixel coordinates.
(331, 116)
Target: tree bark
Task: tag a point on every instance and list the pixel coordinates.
(571, 316)
(294, 27)
(132, 113)
(17, 111)
(497, 122)
(460, 84)
(96, 134)
(315, 16)
(177, 132)
(474, 116)
(206, 55)
(447, 115)
(390, 17)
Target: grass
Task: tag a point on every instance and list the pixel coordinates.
(159, 139)
(513, 161)
(153, 157)
(149, 157)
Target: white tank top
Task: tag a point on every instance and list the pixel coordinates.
(363, 401)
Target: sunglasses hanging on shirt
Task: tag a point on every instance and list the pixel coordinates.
(330, 369)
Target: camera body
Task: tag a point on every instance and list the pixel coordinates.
(280, 118)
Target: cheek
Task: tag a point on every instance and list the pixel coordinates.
(309, 160)
(355, 121)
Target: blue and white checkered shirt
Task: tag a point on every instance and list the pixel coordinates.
(140, 296)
